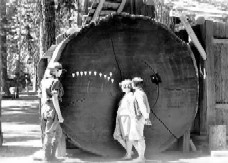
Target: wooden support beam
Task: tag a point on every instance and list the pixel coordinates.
(210, 79)
(220, 41)
(193, 36)
(111, 5)
(98, 10)
(106, 12)
(120, 9)
(186, 141)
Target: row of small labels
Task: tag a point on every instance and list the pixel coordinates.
(95, 73)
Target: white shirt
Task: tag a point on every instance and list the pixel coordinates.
(143, 103)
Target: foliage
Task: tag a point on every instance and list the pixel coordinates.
(23, 30)
(22, 34)
(3, 46)
(24, 18)
(66, 11)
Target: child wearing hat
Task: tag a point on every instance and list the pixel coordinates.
(51, 117)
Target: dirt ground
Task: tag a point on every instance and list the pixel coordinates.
(21, 133)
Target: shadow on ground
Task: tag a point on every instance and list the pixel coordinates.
(17, 151)
(20, 127)
(21, 133)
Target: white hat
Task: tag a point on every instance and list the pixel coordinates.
(125, 82)
(137, 79)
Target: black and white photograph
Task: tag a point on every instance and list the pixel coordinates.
(113, 81)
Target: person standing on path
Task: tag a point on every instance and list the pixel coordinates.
(142, 111)
(125, 114)
(51, 117)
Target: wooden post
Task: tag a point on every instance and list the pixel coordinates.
(98, 10)
(217, 137)
(203, 102)
(209, 109)
(133, 9)
(120, 9)
(202, 81)
(186, 141)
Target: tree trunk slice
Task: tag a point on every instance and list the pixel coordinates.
(121, 47)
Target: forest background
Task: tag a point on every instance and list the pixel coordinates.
(28, 28)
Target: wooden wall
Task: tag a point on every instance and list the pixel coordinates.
(220, 50)
(215, 108)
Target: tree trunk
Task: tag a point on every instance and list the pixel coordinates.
(41, 39)
(86, 6)
(1, 135)
(41, 48)
(3, 50)
(35, 78)
(146, 8)
(3, 56)
(48, 14)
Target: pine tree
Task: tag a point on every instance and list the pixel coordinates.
(3, 46)
(48, 15)
(3, 68)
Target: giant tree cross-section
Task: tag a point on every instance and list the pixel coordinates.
(118, 47)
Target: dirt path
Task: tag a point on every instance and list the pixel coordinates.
(21, 132)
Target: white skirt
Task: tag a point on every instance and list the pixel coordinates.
(136, 129)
